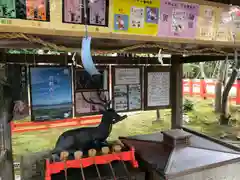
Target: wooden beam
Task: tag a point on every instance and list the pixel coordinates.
(176, 92)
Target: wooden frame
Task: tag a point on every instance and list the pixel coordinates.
(88, 13)
(30, 87)
(127, 85)
(150, 69)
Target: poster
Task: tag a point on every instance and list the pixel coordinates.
(73, 11)
(134, 97)
(98, 14)
(158, 89)
(7, 9)
(51, 93)
(127, 76)
(206, 27)
(136, 17)
(120, 98)
(178, 19)
(37, 9)
(95, 98)
(81, 105)
(224, 25)
(235, 13)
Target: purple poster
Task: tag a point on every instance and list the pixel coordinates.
(177, 19)
(97, 10)
(73, 11)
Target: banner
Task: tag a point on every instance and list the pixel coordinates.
(178, 19)
(206, 26)
(136, 17)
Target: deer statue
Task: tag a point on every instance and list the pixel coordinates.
(89, 137)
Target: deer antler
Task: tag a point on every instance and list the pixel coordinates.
(107, 102)
(90, 101)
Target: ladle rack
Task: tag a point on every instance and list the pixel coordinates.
(57, 167)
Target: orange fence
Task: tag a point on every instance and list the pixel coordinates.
(36, 126)
(206, 89)
(196, 87)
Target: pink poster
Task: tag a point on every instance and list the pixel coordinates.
(73, 11)
(178, 19)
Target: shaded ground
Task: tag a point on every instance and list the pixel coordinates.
(202, 119)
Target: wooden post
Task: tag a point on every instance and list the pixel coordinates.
(5, 119)
(176, 92)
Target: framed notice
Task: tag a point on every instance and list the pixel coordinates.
(51, 92)
(98, 13)
(82, 105)
(73, 11)
(157, 87)
(127, 88)
(7, 9)
(37, 10)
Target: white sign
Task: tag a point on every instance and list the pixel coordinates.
(158, 89)
(127, 76)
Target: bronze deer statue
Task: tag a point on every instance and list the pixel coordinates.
(89, 137)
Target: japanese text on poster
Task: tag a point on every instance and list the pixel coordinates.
(206, 22)
(158, 89)
(178, 19)
(136, 17)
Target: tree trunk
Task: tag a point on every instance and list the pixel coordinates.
(219, 85)
(224, 117)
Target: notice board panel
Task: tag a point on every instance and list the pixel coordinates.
(127, 88)
(156, 87)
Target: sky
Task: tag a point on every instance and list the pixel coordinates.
(51, 85)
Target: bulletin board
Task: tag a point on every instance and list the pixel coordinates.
(127, 88)
(137, 17)
(82, 92)
(156, 87)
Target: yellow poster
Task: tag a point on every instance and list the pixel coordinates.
(224, 25)
(136, 17)
(206, 28)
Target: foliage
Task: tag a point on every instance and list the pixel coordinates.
(188, 105)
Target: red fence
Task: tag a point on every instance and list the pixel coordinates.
(206, 89)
